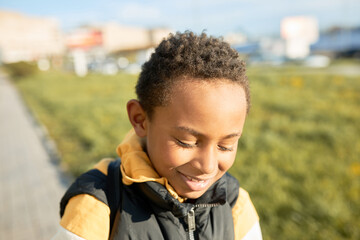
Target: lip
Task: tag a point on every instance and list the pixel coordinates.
(194, 183)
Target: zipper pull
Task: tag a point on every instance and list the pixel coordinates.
(191, 220)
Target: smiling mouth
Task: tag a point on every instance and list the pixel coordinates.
(195, 184)
(194, 179)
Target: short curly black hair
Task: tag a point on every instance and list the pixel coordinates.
(183, 56)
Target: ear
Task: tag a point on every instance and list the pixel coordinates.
(137, 117)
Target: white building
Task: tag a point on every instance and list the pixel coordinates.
(117, 37)
(299, 33)
(25, 38)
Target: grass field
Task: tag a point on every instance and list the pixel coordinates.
(298, 157)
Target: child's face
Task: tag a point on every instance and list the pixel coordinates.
(193, 140)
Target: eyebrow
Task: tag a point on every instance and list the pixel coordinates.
(198, 134)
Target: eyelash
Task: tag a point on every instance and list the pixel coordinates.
(186, 145)
(225, 149)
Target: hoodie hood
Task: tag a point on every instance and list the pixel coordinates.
(136, 167)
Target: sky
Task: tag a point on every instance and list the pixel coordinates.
(216, 17)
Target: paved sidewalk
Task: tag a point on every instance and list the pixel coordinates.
(31, 183)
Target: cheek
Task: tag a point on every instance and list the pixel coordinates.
(168, 155)
(177, 156)
(226, 162)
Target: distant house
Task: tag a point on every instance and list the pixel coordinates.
(127, 40)
(111, 46)
(118, 37)
(113, 37)
(25, 38)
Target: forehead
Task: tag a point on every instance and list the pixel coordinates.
(204, 105)
(186, 82)
(191, 89)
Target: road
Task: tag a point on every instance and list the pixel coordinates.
(31, 182)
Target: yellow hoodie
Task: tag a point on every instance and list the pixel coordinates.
(88, 217)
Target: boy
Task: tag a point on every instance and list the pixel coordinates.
(193, 98)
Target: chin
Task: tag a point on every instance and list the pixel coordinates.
(192, 195)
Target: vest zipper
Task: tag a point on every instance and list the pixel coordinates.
(191, 223)
(191, 217)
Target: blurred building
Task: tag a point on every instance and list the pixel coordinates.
(338, 42)
(110, 47)
(299, 33)
(235, 38)
(265, 50)
(113, 37)
(25, 38)
(117, 37)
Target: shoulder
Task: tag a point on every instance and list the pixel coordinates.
(244, 215)
(103, 165)
(84, 207)
(86, 217)
(93, 182)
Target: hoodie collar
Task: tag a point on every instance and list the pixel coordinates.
(157, 194)
(136, 166)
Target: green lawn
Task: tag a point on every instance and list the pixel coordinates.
(298, 157)
(85, 116)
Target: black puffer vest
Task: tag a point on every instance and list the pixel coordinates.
(148, 211)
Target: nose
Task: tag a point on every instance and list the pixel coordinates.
(206, 160)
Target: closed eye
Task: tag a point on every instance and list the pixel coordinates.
(185, 145)
(225, 149)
